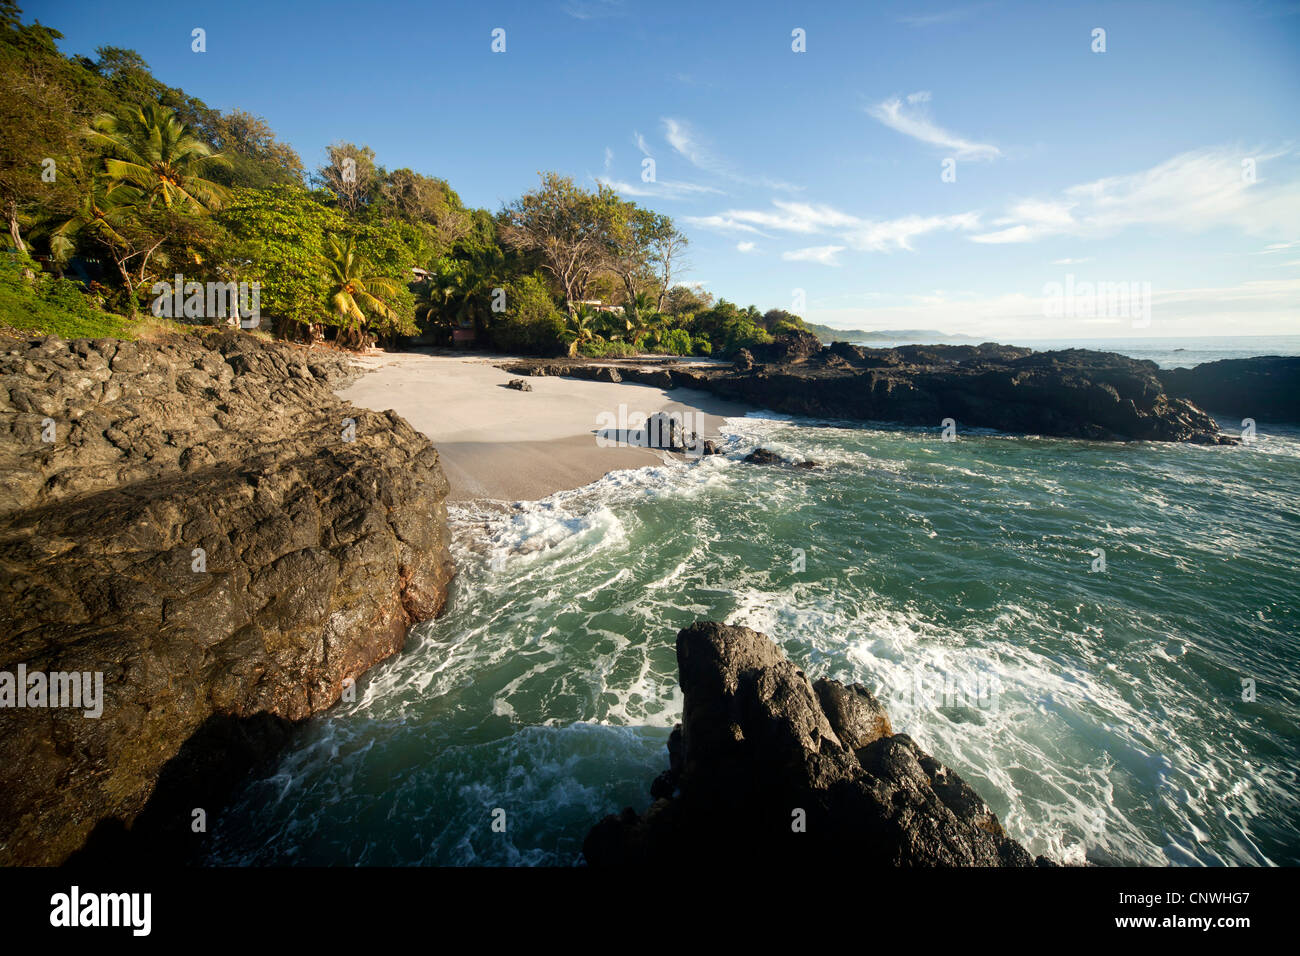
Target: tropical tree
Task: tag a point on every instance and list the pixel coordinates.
(579, 328)
(353, 297)
(151, 150)
(279, 241)
(567, 228)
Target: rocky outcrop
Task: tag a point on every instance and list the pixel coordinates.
(209, 527)
(768, 767)
(1072, 393)
(765, 456)
(1266, 388)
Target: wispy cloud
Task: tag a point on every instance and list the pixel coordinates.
(953, 15)
(821, 254)
(745, 247)
(1192, 192)
(911, 119)
(659, 189)
(687, 143)
(594, 9)
(855, 232)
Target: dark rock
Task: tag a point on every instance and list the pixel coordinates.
(744, 360)
(769, 769)
(1074, 393)
(1265, 388)
(664, 430)
(220, 536)
(764, 456)
(518, 384)
(789, 348)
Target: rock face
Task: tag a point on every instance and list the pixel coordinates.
(1073, 393)
(768, 767)
(1266, 388)
(221, 537)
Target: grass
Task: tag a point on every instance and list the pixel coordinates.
(48, 305)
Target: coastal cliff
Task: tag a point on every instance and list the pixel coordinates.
(768, 767)
(1073, 393)
(205, 524)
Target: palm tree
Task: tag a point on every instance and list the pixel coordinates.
(107, 213)
(154, 152)
(353, 294)
(580, 328)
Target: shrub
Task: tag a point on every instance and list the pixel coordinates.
(531, 322)
(51, 305)
(676, 342)
(602, 348)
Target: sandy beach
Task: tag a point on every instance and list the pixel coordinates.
(506, 445)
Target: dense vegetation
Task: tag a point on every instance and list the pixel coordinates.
(110, 178)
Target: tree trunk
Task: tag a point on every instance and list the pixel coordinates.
(14, 233)
(130, 289)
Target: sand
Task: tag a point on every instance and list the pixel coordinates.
(500, 444)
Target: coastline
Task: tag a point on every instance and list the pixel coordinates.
(496, 443)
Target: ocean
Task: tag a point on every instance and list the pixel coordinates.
(1103, 639)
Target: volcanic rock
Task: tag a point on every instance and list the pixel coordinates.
(1266, 388)
(207, 525)
(767, 768)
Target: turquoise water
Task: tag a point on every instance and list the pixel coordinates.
(1100, 712)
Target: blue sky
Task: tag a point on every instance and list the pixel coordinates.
(1170, 162)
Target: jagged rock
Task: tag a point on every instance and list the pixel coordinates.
(1266, 388)
(519, 385)
(220, 536)
(664, 430)
(768, 769)
(1073, 393)
(789, 348)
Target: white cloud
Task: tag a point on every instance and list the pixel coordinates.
(892, 234)
(745, 247)
(640, 142)
(1071, 262)
(660, 189)
(915, 123)
(821, 254)
(687, 143)
(865, 235)
(1194, 191)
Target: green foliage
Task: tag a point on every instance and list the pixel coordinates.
(603, 348)
(51, 306)
(701, 345)
(676, 342)
(279, 241)
(531, 322)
